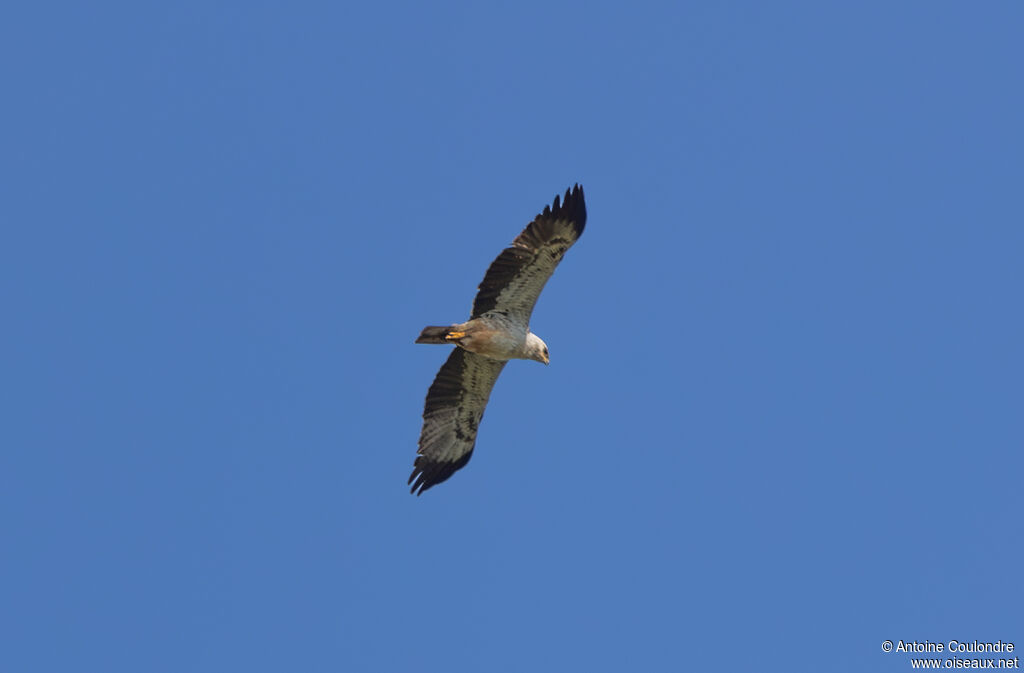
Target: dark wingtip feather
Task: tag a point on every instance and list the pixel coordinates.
(428, 473)
(573, 208)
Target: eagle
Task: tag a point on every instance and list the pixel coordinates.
(497, 331)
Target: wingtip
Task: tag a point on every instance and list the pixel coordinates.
(428, 473)
(572, 207)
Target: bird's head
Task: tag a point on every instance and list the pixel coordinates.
(536, 349)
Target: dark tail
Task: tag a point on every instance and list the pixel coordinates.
(434, 335)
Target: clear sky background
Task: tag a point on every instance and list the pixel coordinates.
(783, 417)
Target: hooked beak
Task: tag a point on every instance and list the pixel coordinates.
(546, 360)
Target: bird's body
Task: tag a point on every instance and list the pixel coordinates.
(493, 335)
(497, 331)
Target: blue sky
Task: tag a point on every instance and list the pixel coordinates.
(782, 421)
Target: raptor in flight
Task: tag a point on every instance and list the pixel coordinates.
(496, 332)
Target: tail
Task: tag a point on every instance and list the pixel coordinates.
(434, 335)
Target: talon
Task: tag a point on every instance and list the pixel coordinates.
(454, 335)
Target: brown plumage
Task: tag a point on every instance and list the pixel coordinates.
(498, 330)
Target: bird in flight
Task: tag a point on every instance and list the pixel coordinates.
(497, 331)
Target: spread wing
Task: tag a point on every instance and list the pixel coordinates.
(455, 404)
(515, 279)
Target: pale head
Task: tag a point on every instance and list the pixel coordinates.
(536, 349)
